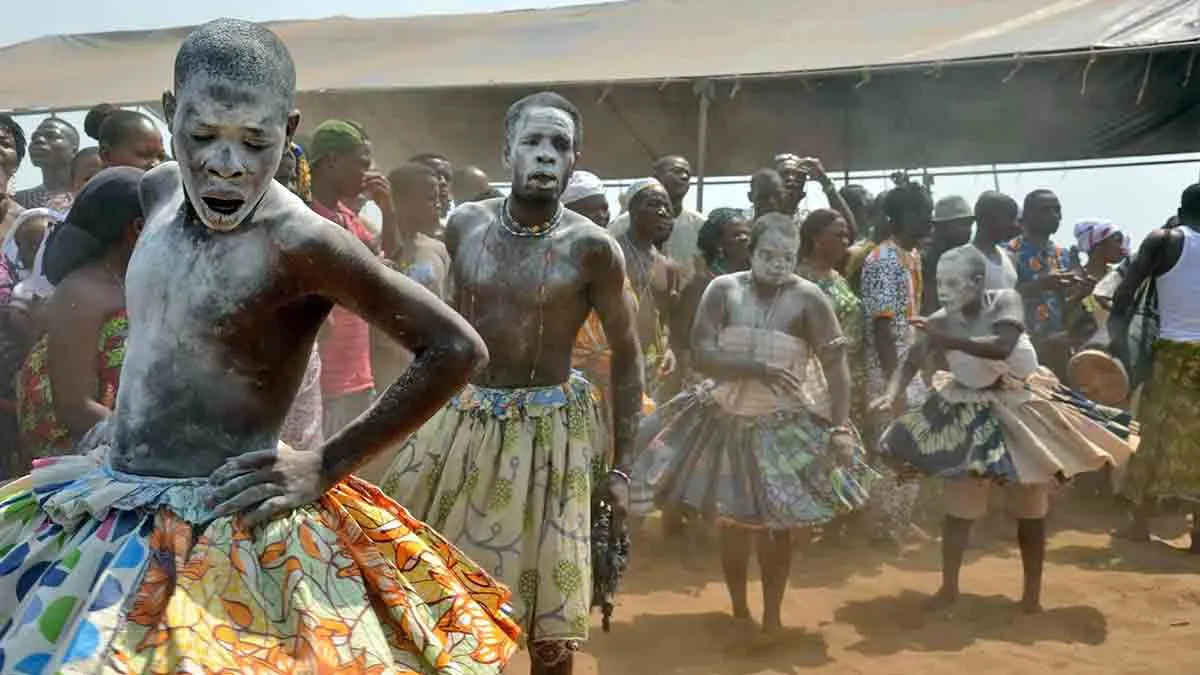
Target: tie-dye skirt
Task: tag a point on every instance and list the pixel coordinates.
(703, 454)
(507, 475)
(104, 572)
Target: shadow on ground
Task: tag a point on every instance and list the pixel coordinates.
(710, 643)
(896, 623)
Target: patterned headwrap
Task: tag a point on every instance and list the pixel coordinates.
(332, 137)
(583, 184)
(303, 186)
(1089, 234)
(636, 187)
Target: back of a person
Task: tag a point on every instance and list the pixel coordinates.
(42, 434)
(1177, 291)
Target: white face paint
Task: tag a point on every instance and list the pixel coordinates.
(959, 283)
(542, 154)
(774, 258)
(228, 140)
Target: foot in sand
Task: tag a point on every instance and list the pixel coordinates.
(1031, 605)
(943, 599)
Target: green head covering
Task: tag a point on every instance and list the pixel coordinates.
(332, 137)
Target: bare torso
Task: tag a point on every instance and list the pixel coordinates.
(526, 296)
(219, 334)
(788, 308)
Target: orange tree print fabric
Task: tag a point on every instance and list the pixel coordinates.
(349, 584)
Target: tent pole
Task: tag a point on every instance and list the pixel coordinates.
(704, 90)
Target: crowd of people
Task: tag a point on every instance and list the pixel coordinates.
(221, 381)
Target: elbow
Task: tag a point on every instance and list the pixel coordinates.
(463, 355)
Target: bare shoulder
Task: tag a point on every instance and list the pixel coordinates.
(469, 217)
(1007, 298)
(82, 296)
(807, 290)
(159, 185)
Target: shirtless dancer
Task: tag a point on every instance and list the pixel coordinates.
(191, 539)
(508, 468)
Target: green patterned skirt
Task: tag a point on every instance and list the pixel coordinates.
(1167, 464)
(507, 476)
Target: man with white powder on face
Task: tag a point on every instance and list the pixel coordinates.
(187, 536)
(508, 469)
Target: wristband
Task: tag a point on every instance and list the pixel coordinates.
(840, 429)
(620, 474)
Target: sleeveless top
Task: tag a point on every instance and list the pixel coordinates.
(1177, 293)
(974, 372)
(41, 433)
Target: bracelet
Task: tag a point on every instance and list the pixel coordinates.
(620, 474)
(840, 429)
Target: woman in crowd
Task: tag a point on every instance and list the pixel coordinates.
(824, 241)
(20, 326)
(128, 138)
(994, 419)
(69, 382)
(12, 153)
(724, 242)
(744, 448)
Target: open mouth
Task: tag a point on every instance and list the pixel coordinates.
(543, 179)
(225, 207)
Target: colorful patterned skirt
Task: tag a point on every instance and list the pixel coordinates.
(760, 469)
(104, 572)
(507, 475)
(1036, 431)
(1167, 465)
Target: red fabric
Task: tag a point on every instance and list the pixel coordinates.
(346, 350)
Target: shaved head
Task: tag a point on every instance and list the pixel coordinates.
(241, 52)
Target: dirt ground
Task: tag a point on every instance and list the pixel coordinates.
(1110, 607)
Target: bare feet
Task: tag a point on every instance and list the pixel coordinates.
(943, 599)
(1031, 605)
(742, 613)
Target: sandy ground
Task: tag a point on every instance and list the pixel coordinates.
(1111, 607)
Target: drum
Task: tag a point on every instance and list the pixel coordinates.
(1099, 377)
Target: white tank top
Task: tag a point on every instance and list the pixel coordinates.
(1177, 293)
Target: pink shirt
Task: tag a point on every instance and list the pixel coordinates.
(346, 349)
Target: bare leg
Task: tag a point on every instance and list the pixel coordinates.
(775, 561)
(1031, 535)
(956, 533)
(735, 563)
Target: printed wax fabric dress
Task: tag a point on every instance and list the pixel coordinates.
(739, 453)
(106, 572)
(507, 474)
(41, 433)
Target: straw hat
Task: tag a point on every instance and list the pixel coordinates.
(1099, 377)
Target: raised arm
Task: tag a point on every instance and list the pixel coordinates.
(606, 271)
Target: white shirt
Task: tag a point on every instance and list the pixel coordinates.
(1178, 290)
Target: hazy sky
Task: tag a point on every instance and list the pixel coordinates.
(27, 20)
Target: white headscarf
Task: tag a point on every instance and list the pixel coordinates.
(583, 184)
(636, 187)
(1090, 232)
